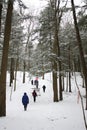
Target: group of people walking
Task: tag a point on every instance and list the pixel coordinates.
(25, 98)
(35, 82)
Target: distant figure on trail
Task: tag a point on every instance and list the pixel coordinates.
(34, 94)
(44, 87)
(25, 100)
(36, 82)
(32, 81)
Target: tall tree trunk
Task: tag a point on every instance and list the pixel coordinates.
(63, 83)
(55, 51)
(42, 75)
(60, 86)
(57, 19)
(67, 82)
(42, 69)
(70, 82)
(0, 16)
(79, 42)
(12, 71)
(69, 70)
(15, 74)
(5, 59)
(78, 65)
(24, 72)
(55, 90)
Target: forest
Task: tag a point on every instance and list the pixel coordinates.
(53, 41)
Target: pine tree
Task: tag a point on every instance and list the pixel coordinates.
(5, 59)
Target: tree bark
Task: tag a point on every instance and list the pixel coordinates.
(15, 77)
(12, 71)
(55, 51)
(24, 72)
(55, 90)
(5, 59)
(79, 42)
(67, 81)
(69, 70)
(0, 16)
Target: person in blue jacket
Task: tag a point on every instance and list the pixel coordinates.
(25, 100)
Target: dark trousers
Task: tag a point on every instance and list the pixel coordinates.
(25, 107)
(34, 98)
(43, 90)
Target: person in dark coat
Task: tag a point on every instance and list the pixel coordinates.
(32, 81)
(34, 94)
(25, 101)
(44, 87)
(37, 83)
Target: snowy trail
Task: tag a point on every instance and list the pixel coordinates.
(44, 114)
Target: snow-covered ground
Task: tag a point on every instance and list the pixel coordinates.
(44, 114)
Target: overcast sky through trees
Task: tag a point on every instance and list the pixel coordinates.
(41, 3)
